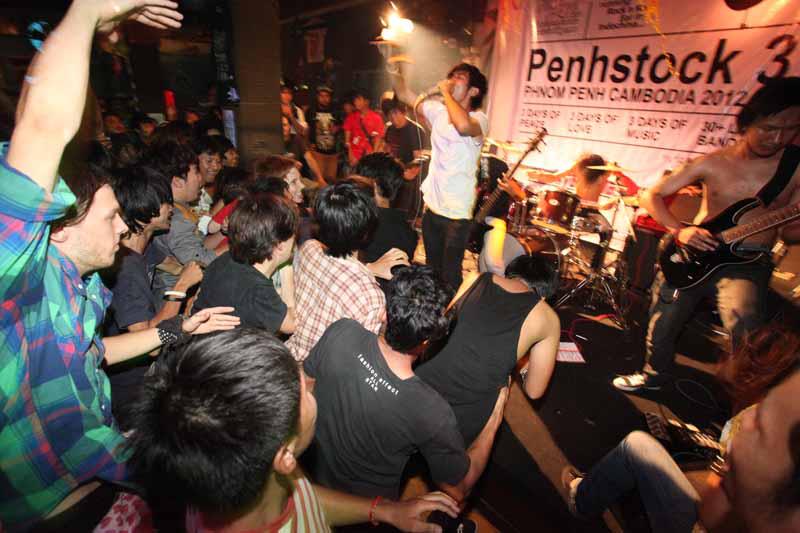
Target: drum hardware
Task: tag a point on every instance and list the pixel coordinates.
(609, 279)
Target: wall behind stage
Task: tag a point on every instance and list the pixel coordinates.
(646, 83)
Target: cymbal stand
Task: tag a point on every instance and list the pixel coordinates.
(603, 278)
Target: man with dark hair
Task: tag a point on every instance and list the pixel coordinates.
(755, 488)
(393, 231)
(60, 448)
(457, 131)
(405, 139)
(184, 241)
(145, 199)
(330, 282)
(363, 129)
(771, 122)
(323, 126)
(263, 417)
(500, 321)
(293, 114)
(209, 163)
(261, 238)
(391, 413)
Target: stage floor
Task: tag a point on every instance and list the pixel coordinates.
(582, 416)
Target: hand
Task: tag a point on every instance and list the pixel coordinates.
(411, 173)
(502, 398)
(352, 160)
(407, 515)
(697, 238)
(513, 188)
(191, 275)
(446, 86)
(211, 319)
(382, 268)
(286, 111)
(161, 14)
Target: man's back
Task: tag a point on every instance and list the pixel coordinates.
(327, 289)
(253, 296)
(388, 418)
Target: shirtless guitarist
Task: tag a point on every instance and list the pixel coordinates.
(770, 122)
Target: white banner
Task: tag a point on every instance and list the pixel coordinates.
(644, 83)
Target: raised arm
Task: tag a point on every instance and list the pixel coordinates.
(465, 125)
(53, 95)
(401, 88)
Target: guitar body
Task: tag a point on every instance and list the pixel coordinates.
(476, 232)
(685, 267)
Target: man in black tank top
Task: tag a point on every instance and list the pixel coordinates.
(499, 320)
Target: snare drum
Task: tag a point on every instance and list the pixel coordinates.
(555, 210)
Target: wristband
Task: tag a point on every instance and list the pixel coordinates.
(170, 330)
(372, 507)
(174, 296)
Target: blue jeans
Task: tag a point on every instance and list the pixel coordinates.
(740, 293)
(445, 241)
(641, 463)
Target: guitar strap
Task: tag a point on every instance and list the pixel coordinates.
(783, 174)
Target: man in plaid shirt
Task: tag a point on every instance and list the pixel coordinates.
(330, 282)
(58, 440)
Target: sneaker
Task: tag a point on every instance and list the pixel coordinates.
(570, 479)
(639, 381)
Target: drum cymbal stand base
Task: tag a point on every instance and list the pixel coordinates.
(605, 281)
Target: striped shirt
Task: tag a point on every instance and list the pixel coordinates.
(303, 514)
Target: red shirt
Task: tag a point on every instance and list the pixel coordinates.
(362, 129)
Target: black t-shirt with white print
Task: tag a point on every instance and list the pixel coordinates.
(370, 421)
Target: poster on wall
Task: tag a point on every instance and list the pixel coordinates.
(644, 83)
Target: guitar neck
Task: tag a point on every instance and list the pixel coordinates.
(768, 221)
(488, 205)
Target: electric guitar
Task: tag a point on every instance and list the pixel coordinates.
(685, 267)
(479, 226)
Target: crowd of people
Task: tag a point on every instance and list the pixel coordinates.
(179, 329)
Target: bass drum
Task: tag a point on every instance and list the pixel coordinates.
(530, 241)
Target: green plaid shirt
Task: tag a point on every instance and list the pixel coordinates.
(56, 428)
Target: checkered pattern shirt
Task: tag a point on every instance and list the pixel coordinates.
(56, 428)
(328, 289)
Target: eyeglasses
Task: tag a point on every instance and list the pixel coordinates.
(771, 130)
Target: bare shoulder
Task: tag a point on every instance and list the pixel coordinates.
(542, 321)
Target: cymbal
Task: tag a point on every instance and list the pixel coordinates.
(610, 167)
(631, 201)
(508, 146)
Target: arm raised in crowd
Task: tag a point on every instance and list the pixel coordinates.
(53, 96)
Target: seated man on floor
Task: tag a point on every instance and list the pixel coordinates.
(145, 200)
(330, 282)
(500, 320)
(754, 488)
(61, 450)
(390, 412)
(261, 238)
(233, 461)
(393, 231)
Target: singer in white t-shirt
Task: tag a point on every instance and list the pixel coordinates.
(457, 131)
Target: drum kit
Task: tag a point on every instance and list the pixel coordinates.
(554, 224)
